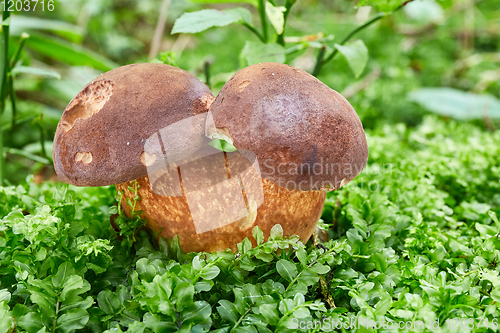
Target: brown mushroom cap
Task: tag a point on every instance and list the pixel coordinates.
(101, 136)
(305, 134)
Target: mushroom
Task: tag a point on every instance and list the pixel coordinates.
(305, 134)
(151, 123)
(100, 137)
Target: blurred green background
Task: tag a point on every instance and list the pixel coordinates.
(447, 43)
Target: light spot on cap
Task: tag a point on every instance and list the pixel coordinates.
(88, 102)
(147, 159)
(243, 84)
(85, 158)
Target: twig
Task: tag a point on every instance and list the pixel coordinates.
(352, 33)
(325, 292)
(255, 31)
(160, 27)
(241, 318)
(355, 31)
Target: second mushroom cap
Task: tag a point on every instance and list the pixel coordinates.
(305, 134)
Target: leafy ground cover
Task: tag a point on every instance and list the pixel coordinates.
(414, 240)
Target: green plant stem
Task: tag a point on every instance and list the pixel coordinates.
(54, 322)
(319, 61)
(347, 38)
(255, 31)
(17, 54)
(355, 31)
(4, 59)
(363, 26)
(206, 70)
(4, 70)
(6, 127)
(12, 96)
(295, 48)
(263, 20)
(288, 6)
(332, 55)
(1, 157)
(241, 318)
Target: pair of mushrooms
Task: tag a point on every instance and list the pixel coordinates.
(295, 138)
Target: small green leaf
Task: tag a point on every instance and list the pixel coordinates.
(258, 235)
(197, 263)
(145, 270)
(5, 295)
(198, 312)
(5, 317)
(276, 232)
(244, 246)
(299, 299)
(20, 310)
(267, 257)
(270, 313)
(73, 282)
(276, 17)
(356, 54)
(227, 311)
(210, 272)
(108, 302)
(76, 302)
(31, 322)
(247, 264)
(286, 269)
(202, 286)
(320, 269)
(201, 20)
(63, 273)
(184, 293)
(302, 256)
(383, 305)
(74, 319)
(41, 254)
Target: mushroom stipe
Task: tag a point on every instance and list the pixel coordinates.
(295, 137)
